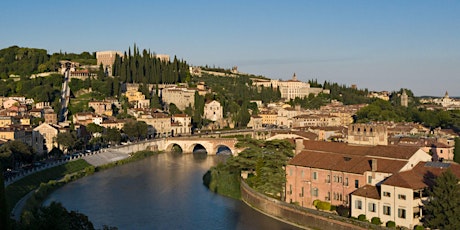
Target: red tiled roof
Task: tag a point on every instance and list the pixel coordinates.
(422, 175)
(387, 151)
(345, 162)
(368, 191)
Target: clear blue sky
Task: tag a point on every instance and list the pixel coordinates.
(379, 45)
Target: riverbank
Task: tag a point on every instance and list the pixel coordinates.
(37, 194)
(224, 183)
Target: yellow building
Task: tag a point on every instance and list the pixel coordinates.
(160, 122)
(5, 121)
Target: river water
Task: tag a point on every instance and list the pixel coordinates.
(161, 192)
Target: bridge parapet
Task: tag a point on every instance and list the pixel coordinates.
(187, 144)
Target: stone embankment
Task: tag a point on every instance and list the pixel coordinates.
(299, 216)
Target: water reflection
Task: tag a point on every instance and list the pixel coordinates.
(161, 192)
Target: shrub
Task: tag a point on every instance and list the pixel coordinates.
(89, 170)
(391, 224)
(343, 211)
(376, 221)
(315, 203)
(362, 217)
(419, 227)
(322, 205)
(333, 208)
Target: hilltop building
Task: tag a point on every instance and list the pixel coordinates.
(181, 97)
(107, 58)
(290, 89)
(404, 99)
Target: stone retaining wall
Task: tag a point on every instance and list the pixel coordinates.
(295, 214)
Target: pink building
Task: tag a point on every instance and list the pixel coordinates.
(329, 171)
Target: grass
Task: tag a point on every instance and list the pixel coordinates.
(14, 192)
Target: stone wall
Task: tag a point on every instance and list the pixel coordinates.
(297, 215)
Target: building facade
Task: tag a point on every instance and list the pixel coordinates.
(332, 171)
(402, 196)
(213, 111)
(181, 97)
(368, 134)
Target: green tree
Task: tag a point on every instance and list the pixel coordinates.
(4, 215)
(67, 140)
(112, 135)
(443, 209)
(55, 216)
(457, 150)
(135, 129)
(94, 128)
(173, 109)
(14, 152)
(265, 161)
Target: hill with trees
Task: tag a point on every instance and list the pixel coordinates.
(23, 61)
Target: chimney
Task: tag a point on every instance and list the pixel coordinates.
(374, 165)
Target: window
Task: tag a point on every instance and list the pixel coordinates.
(290, 172)
(315, 175)
(372, 207)
(335, 178)
(402, 197)
(346, 181)
(402, 213)
(369, 179)
(328, 196)
(356, 183)
(386, 210)
(387, 194)
(314, 192)
(328, 179)
(358, 204)
(301, 194)
(290, 189)
(301, 173)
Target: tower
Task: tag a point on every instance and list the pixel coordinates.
(404, 99)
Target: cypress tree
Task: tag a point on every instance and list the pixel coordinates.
(4, 217)
(443, 210)
(457, 150)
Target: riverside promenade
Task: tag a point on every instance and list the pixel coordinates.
(96, 158)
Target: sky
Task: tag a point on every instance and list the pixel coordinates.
(378, 45)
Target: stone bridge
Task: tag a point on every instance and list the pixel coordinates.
(187, 144)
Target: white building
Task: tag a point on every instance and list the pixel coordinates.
(213, 111)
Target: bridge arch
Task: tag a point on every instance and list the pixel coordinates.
(172, 146)
(211, 145)
(197, 147)
(222, 150)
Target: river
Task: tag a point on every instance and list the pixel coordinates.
(161, 192)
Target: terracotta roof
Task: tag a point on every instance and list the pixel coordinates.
(181, 115)
(368, 191)
(441, 145)
(306, 134)
(422, 175)
(387, 151)
(345, 162)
